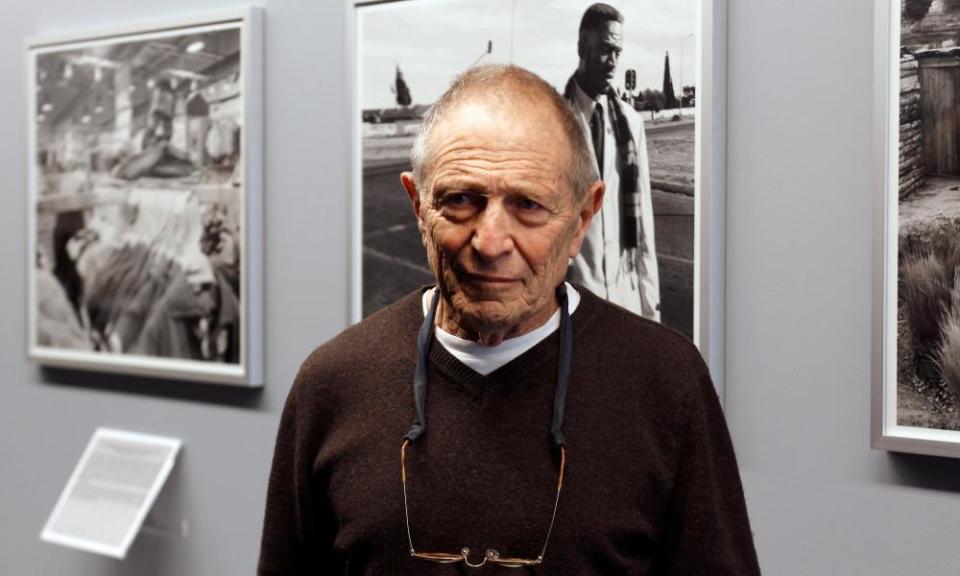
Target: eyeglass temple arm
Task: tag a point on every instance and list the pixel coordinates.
(556, 502)
(403, 476)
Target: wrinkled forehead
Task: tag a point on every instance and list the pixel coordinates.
(502, 127)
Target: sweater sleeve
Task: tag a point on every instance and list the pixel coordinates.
(707, 528)
(297, 531)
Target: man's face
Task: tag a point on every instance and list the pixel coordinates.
(599, 52)
(498, 218)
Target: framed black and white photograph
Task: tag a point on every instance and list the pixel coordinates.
(916, 401)
(144, 209)
(669, 83)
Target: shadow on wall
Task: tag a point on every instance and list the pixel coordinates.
(234, 396)
(928, 472)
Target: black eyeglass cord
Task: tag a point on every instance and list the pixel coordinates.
(425, 337)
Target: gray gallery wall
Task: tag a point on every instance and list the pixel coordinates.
(799, 274)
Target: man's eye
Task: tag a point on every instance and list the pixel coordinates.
(456, 199)
(459, 205)
(528, 204)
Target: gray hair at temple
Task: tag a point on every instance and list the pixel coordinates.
(514, 82)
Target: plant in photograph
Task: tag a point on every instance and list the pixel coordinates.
(948, 248)
(925, 289)
(948, 356)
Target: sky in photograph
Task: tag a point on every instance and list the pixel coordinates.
(433, 40)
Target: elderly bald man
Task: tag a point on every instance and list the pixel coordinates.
(504, 418)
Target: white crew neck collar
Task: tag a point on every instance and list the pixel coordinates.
(486, 359)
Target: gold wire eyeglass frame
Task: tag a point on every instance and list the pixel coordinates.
(490, 555)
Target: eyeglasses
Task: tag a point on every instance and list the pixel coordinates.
(490, 555)
(420, 426)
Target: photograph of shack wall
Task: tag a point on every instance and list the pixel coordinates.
(911, 134)
(928, 203)
(939, 78)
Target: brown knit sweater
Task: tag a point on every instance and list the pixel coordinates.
(651, 483)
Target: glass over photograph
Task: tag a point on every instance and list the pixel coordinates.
(633, 85)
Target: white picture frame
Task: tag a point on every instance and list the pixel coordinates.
(709, 234)
(103, 505)
(211, 92)
(902, 418)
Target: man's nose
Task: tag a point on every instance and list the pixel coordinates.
(491, 238)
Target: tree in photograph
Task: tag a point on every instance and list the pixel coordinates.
(689, 98)
(652, 102)
(669, 97)
(402, 90)
(638, 102)
(915, 10)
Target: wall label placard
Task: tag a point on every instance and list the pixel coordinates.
(110, 492)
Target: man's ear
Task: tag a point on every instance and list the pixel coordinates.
(589, 206)
(410, 185)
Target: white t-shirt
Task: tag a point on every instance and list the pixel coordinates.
(486, 359)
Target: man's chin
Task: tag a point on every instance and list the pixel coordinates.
(483, 312)
(493, 288)
(488, 321)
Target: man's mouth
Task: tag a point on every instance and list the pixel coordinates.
(486, 278)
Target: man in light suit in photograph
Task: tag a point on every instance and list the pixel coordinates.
(618, 260)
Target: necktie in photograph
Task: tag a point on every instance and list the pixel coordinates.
(596, 132)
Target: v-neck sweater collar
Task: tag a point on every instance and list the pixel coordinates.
(545, 351)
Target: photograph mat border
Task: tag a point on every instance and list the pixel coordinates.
(709, 178)
(119, 552)
(249, 371)
(886, 434)
(82, 43)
